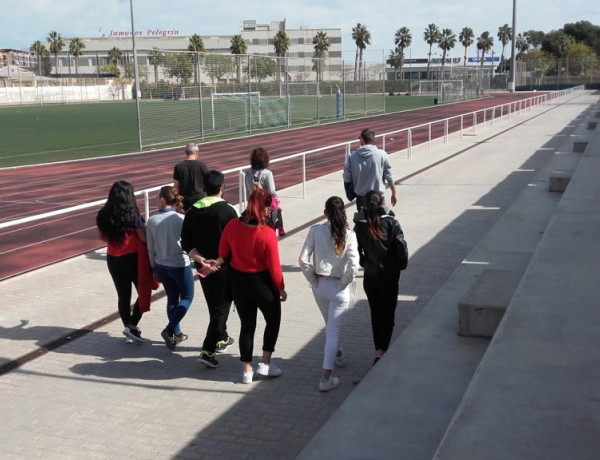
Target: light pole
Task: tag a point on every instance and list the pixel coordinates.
(513, 59)
(138, 93)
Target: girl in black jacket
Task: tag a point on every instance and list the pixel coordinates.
(383, 255)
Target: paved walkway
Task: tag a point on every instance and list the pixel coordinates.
(97, 397)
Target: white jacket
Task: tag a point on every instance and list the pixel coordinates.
(318, 256)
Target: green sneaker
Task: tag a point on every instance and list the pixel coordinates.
(223, 345)
(208, 359)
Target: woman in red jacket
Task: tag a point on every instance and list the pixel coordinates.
(256, 280)
(122, 227)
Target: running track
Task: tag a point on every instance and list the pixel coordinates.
(34, 190)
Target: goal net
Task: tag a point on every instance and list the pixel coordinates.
(235, 111)
(445, 90)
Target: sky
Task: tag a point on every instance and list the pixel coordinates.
(25, 21)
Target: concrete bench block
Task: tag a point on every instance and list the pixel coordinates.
(482, 308)
(559, 180)
(597, 114)
(580, 146)
(592, 124)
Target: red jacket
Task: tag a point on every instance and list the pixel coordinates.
(252, 249)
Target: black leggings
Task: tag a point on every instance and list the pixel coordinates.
(124, 272)
(253, 292)
(382, 294)
(216, 294)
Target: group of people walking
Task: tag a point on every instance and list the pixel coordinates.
(237, 258)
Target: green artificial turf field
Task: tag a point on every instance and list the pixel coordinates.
(50, 133)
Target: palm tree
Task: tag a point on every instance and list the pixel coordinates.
(76, 48)
(522, 43)
(485, 42)
(41, 53)
(239, 47)
(362, 38)
(505, 35)
(402, 40)
(115, 55)
(56, 46)
(396, 59)
(466, 37)
(321, 44)
(155, 58)
(446, 42)
(196, 45)
(431, 37)
(281, 43)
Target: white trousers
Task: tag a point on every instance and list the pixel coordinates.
(333, 304)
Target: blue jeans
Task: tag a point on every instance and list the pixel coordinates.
(179, 287)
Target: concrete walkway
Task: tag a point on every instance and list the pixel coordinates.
(97, 397)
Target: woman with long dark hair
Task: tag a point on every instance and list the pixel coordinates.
(256, 280)
(383, 254)
(329, 261)
(170, 263)
(122, 227)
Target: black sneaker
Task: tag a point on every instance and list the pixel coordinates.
(168, 338)
(223, 345)
(208, 359)
(133, 333)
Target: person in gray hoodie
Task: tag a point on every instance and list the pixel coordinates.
(368, 168)
(200, 236)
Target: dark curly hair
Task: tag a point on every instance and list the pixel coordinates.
(259, 158)
(115, 218)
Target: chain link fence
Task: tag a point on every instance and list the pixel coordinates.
(190, 96)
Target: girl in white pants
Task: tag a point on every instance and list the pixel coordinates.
(329, 261)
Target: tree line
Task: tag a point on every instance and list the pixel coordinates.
(576, 40)
(580, 39)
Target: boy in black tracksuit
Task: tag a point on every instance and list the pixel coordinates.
(200, 236)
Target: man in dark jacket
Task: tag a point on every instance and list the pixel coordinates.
(200, 236)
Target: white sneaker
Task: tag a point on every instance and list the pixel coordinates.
(269, 370)
(340, 360)
(247, 377)
(128, 340)
(326, 385)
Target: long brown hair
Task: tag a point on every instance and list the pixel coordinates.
(172, 198)
(336, 214)
(374, 201)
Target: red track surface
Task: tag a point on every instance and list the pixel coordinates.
(35, 190)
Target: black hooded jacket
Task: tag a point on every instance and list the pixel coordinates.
(203, 225)
(381, 257)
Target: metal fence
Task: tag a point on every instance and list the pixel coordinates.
(439, 129)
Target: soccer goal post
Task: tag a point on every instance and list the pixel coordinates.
(446, 90)
(232, 110)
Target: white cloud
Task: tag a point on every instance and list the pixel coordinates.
(30, 20)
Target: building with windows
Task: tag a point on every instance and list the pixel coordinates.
(258, 38)
(17, 58)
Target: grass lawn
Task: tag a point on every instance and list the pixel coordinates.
(50, 133)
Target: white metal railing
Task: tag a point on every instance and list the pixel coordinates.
(512, 108)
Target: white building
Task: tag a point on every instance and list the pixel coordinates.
(258, 38)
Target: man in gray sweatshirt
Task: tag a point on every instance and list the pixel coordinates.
(368, 168)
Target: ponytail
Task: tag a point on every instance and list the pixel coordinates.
(373, 201)
(336, 213)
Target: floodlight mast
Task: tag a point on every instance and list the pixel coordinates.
(513, 59)
(138, 93)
